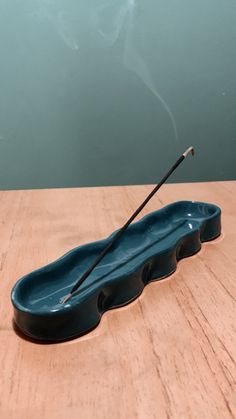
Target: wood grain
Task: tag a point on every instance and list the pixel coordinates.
(169, 354)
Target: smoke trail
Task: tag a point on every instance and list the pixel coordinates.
(124, 20)
(134, 61)
(86, 28)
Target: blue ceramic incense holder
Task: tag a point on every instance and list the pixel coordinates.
(148, 251)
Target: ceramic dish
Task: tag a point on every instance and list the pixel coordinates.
(149, 250)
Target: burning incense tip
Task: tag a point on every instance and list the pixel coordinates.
(189, 150)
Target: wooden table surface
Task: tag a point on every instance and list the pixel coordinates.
(169, 354)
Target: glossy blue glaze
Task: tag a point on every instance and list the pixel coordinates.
(148, 251)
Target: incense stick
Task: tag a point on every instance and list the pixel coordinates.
(125, 226)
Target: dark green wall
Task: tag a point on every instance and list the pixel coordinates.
(111, 91)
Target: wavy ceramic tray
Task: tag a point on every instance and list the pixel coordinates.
(149, 250)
